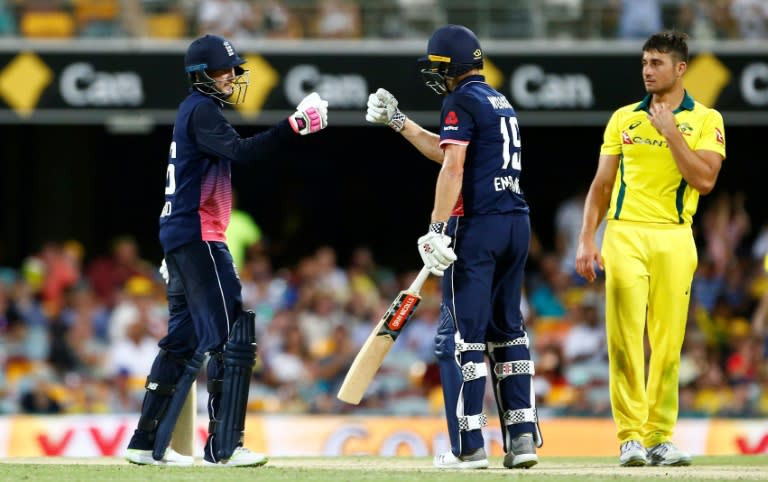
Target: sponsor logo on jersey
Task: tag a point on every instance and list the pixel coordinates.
(635, 124)
(626, 139)
(451, 119)
(719, 136)
(649, 142)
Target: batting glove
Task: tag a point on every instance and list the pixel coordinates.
(435, 249)
(164, 271)
(311, 115)
(382, 109)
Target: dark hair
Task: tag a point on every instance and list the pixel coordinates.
(669, 42)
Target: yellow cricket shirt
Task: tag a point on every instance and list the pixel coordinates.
(649, 187)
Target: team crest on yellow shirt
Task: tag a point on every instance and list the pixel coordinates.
(685, 128)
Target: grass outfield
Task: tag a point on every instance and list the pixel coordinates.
(399, 469)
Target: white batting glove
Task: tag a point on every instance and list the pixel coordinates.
(164, 271)
(311, 115)
(435, 249)
(382, 109)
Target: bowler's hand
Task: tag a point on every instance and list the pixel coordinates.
(587, 255)
(662, 118)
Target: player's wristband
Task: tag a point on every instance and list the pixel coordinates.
(437, 227)
(398, 121)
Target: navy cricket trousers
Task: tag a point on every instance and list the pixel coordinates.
(204, 298)
(483, 288)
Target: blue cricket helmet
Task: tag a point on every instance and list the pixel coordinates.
(211, 53)
(452, 51)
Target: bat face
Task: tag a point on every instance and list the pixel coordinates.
(400, 311)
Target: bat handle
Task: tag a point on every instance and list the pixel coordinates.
(419, 281)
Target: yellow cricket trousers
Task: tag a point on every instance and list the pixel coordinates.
(649, 270)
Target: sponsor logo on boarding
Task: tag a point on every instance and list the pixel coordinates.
(719, 136)
(341, 90)
(625, 139)
(80, 85)
(534, 87)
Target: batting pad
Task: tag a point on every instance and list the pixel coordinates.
(239, 359)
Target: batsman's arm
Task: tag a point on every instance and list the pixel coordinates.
(449, 182)
(428, 143)
(383, 109)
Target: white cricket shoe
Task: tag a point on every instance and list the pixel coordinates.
(241, 457)
(666, 453)
(170, 458)
(633, 454)
(475, 460)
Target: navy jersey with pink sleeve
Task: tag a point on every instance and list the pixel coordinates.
(198, 187)
(476, 115)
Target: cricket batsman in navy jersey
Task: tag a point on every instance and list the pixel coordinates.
(478, 241)
(204, 299)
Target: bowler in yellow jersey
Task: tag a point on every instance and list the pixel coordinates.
(658, 155)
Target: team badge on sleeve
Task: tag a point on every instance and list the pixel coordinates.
(719, 136)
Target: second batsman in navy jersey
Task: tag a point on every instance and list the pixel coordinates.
(204, 293)
(478, 241)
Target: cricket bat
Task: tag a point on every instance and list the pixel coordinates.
(379, 342)
(184, 433)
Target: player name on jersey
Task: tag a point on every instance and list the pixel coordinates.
(504, 183)
(499, 102)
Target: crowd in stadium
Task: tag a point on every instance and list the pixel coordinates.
(351, 19)
(79, 331)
